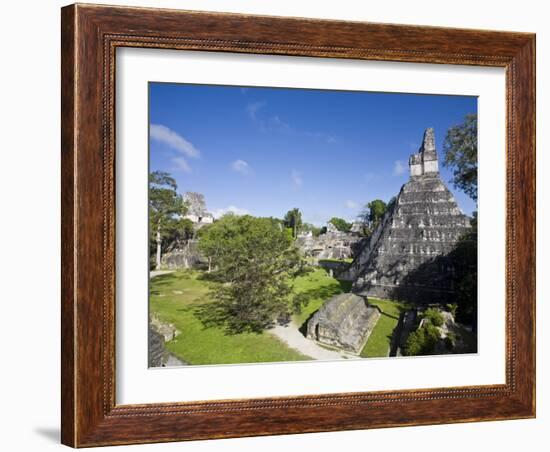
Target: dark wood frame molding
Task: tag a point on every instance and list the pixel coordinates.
(90, 35)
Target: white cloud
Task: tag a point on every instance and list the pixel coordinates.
(181, 164)
(399, 168)
(231, 209)
(277, 124)
(240, 166)
(351, 204)
(296, 178)
(274, 123)
(252, 109)
(167, 136)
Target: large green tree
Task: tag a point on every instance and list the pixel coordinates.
(460, 148)
(166, 209)
(371, 215)
(293, 220)
(340, 224)
(464, 259)
(377, 209)
(254, 263)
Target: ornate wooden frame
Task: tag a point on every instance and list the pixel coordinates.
(90, 35)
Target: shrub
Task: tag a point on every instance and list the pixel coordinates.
(415, 343)
(452, 307)
(422, 341)
(433, 316)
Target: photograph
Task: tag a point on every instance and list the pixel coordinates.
(292, 224)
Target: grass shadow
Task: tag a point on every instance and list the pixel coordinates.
(345, 286)
(389, 315)
(324, 292)
(395, 337)
(166, 278)
(160, 282)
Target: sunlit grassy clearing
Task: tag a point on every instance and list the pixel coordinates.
(379, 342)
(173, 299)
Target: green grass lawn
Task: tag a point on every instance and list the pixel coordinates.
(379, 342)
(174, 298)
(319, 287)
(348, 260)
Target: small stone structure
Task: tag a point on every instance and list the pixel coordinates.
(166, 330)
(196, 209)
(156, 349)
(344, 322)
(186, 256)
(331, 229)
(356, 227)
(159, 333)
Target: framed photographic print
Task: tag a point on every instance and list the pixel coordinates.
(282, 225)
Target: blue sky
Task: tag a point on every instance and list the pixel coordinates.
(264, 151)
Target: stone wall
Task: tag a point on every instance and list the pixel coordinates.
(156, 349)
(159, 334)
(187, 256)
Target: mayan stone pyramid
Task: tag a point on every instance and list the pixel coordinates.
(405, 257)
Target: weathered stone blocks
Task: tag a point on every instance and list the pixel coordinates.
(344, 322)
(406, 255)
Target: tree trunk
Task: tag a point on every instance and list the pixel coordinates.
(209, 264)
(159, 242)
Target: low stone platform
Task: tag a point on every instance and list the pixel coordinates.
(344, 322)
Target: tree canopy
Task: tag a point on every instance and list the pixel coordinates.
(308, 227)
(460, 148)
(371, 215)
(340, 224)
(254, 261)
(377, 209)
(293, 220)
(166, 210)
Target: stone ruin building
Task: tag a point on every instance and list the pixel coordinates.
(333, 244)
(405, 256)
(159, 334)
(356, 227)
(187, 255)
(196, 209)
(344, 322)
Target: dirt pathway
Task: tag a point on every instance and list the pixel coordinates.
(291, 336)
